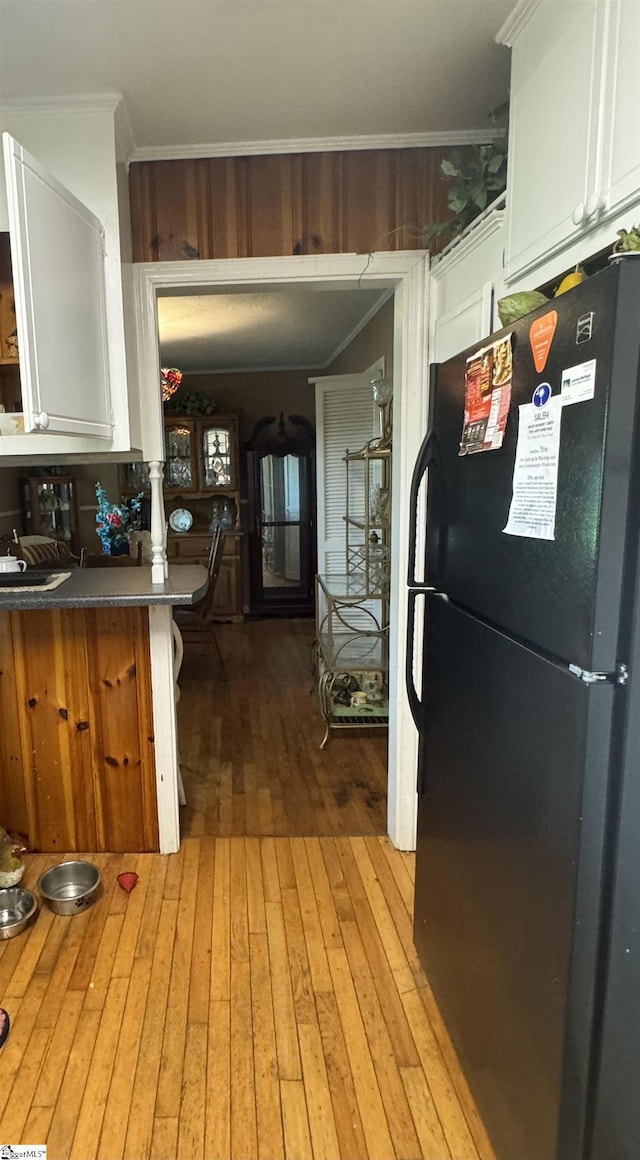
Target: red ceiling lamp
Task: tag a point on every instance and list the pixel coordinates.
(170, 379)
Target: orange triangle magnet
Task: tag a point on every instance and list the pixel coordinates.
(541, 336)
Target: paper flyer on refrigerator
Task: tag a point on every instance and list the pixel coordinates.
(487, 396)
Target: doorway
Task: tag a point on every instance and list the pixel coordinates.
(405, 274)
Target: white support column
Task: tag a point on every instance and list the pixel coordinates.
(164, 726)
(159, 566)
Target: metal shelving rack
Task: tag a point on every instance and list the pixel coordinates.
(352, 608)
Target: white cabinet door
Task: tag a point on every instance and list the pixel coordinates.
(57, 252)
(554, 128)
(619, 181)
(465, 324)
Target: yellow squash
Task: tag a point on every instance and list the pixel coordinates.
(573, 279)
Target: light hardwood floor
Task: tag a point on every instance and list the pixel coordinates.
(252, 998)
(249, 744)
(255, 997)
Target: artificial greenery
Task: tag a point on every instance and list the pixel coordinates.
(190, 403)
(628, 240)
(478, 175)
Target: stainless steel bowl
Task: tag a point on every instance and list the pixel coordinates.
(70, 887)
(17, 908)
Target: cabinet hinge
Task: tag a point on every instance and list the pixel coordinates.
(619, 676)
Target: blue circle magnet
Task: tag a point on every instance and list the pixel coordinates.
(541, 395)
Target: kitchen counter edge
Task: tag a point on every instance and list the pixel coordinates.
(101, 587)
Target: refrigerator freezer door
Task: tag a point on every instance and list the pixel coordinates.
(514, 754)
(561, 595)
(616, 1119)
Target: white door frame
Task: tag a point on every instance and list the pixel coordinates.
(406, 273)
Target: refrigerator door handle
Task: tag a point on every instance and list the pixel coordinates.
(620, 676)
(425, 457)
(415, 704)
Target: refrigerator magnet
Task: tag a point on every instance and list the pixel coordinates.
(541, 395)
(487, 397)
(584, 328)
(578, 383)
(541, 334)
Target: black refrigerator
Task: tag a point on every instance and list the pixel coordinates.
(527, 702)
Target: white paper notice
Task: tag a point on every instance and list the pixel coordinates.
(535, 473)
(579, 383)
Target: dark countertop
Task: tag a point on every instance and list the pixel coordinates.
(100, 587)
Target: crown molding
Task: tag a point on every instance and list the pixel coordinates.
(359, 326)
(317, 145)
(83, 103)
(125, 140)
(509, 32)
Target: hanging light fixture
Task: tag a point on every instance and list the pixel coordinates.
(170, 379)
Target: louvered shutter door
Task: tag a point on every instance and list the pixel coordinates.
(346, 417)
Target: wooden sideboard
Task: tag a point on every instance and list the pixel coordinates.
(193, 548)
(77, 759)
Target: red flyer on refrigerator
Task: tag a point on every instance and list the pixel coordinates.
(487, 396)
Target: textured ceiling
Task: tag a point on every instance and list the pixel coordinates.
(270, 330)
(212, 71)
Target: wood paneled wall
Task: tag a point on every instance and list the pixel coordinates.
(296, 203)
(76, 735)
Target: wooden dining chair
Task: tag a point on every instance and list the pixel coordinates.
(196, 623)
(96, 560)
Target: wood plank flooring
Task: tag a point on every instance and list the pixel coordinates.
(249, 744)
(252, 998)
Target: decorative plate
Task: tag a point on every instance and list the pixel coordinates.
(180, 520)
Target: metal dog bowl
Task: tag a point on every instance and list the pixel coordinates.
(17, 908)
(70, 887)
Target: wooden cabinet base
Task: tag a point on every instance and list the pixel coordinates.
(77, 763)
(193, 548)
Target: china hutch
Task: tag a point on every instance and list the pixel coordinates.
(201, 480)
(50, 508)
(281, 501)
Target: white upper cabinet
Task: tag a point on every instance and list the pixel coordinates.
(57, 253)
(67, 214)
(574, 133)
(619, 177)
(556, 80)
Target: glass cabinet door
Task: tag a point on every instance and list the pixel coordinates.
(180, 463)
(280, 521)
(50, 508)
(218, 460)
(136, 476)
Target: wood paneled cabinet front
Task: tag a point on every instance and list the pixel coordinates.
(77, 749)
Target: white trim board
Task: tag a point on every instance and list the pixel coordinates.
(451, 137)
(164, 726)
(404, 272)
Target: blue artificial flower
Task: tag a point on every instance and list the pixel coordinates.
(115, 521)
